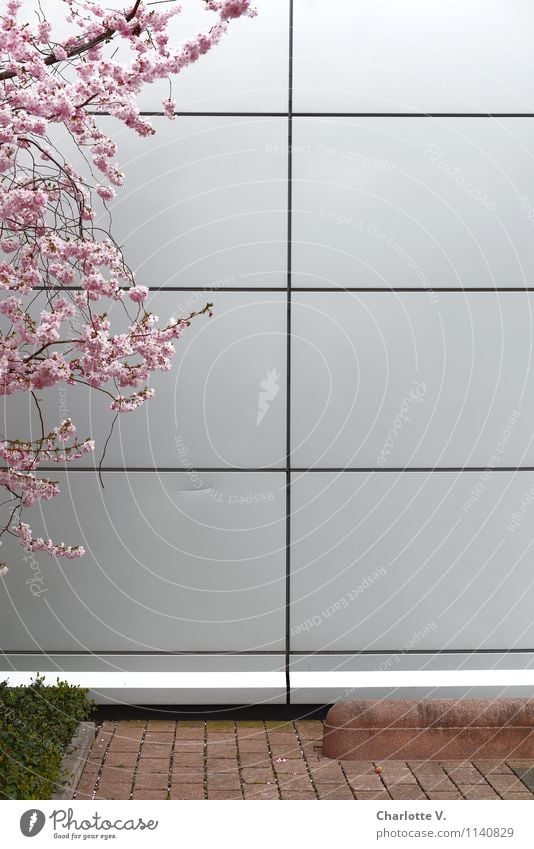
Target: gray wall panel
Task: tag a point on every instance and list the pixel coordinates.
(389, 561)
(204, 201)
(391, 380)
(413, 202)
(172, 563)
(386, 56)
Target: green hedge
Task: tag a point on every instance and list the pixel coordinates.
(36, 725)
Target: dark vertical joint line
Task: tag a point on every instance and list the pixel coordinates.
(288, 353)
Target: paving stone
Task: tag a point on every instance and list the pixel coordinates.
(222, 764)
(285, 751)
(451, 765)
(399, 778)
(369, 794)
(442, 795)
(290, 767)
(393, 771)
(289, 794)
(506, 783)
(526, 774)
(190, 759)
(436, 783)
(327, 772)
(492, 767)
(158, 737)
(189, 746)
(392, 766)
(255, 759)
(366, 781)
(356, 767)
(222, 750)
(121, 759)
(283, 739)
(124, 744)
(186, 791)
(406, 791)
(83, 796)
(159, 741)
(477, 791)
(250, 730)
(332, 791)
(190, 734)
(466, 776)
(511, 795)
(151, 780)
(129, 732)
(145, 793)
(113, 790)
(117, 775)
(158, 765)
(184, 775)
(257, 776)
(103, 738)
(92, 767)
(284, 726)
(300, 783)
(220, 725)
(223, 782)
(96, 753)
(261, 791)
(426, 767)
(161, 725)
(224, 794)
(254, 744)
(86, 786)
(312, 753)
(153, 751)
(221, 737)
(310, 729)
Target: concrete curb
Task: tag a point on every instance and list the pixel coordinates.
(437, 729)
(74, 759)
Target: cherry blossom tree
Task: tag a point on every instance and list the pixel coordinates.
(59, 271)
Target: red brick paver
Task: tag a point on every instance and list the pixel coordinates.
(163, 759)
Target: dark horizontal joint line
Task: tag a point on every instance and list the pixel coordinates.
(284, 469)
(162, 469)
(415, 469)
(140, 652)
(402, 289)
(413, 114)
(330, 289)
(258, 652)
(434, 652)
(255, 114)
(201, 114)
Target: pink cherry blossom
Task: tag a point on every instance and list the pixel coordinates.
(138, 294)
(51, 335)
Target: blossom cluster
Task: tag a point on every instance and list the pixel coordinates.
(50, 247)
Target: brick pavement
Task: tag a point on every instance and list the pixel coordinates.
(163, 759)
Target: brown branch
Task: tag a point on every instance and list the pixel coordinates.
(82, 48)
